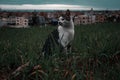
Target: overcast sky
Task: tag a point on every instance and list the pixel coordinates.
(60, 4)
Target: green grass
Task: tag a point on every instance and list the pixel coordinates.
(95, 54)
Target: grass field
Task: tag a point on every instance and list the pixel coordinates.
(95, 54)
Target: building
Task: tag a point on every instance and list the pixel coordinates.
(12, 21)
(3, 22)
(21, 21)
(50, 15)
(100, 18)
(85, 19)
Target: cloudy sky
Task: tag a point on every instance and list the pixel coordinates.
(60, 4)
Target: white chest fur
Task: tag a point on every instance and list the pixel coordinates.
(65, 35)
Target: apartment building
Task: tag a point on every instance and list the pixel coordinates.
(21, 21)
(100, 18)
(85, 19)
(11, 20)
(3, 21)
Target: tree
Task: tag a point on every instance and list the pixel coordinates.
(35, 19)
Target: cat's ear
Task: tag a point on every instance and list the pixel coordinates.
(67, 12)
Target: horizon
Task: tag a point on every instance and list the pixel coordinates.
(50, 7)
(59, 5)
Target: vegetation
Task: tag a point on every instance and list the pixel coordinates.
(95, 54)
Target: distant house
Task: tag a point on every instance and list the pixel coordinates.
(85, 19)
(12, 20)
(22, 21)
(92, 19)
(100, 18)
(77, 20)
(3, 22)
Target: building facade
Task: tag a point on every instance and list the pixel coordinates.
(85, 19)
(21, 21)
(100, 18)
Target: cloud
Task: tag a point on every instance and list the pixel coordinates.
(46, 7)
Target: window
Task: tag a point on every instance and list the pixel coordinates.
(25, 20)
(17, 20)
(17, 23)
